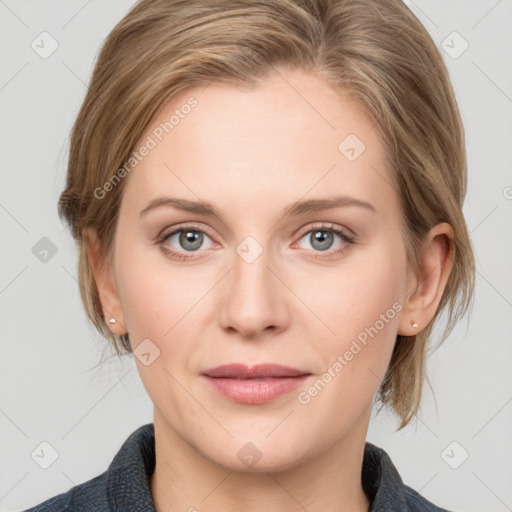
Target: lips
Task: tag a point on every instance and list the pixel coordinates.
(259, 371)
(254, 385)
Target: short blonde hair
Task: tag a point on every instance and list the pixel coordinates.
(377, 51)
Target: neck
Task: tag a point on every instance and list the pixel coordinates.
(184, 479)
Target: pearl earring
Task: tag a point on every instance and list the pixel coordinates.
(414, 324)
(112, 321)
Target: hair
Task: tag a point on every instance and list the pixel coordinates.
(377, 51)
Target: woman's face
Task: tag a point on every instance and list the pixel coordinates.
(262, 281)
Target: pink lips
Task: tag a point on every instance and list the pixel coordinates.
(254, 385)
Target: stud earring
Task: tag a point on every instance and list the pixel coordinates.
(414, 324)
(112, 321)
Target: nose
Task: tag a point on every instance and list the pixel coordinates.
(254, 299)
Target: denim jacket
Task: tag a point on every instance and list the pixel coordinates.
(125, 485)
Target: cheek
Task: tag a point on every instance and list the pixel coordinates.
(360, 305)
(354, 295)
(158, 302)
(156, 294)
(355, 358)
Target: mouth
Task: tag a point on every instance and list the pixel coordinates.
(242, 371)
(254, 385)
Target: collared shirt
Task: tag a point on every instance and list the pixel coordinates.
(126, 485)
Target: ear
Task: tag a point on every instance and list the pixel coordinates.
(105, 282)
(425, 291)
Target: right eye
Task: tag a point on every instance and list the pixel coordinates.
(184, 239)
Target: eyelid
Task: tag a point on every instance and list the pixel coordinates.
(327, 226)
(179, 227)
(305, 229)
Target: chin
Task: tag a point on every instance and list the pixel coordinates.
(257, 456)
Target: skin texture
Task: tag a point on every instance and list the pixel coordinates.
(251, 153)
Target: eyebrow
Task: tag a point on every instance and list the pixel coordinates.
(297, 208)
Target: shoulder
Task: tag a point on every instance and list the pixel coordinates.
(90, 495)
(383, 484)
(125, 485)
(417, 503)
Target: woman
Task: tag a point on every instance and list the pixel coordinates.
(267, 199)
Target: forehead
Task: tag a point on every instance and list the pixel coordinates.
(289, 137)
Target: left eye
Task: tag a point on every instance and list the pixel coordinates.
(321, 239)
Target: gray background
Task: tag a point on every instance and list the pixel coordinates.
(51, 390)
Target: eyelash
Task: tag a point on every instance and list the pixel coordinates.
(323, 227)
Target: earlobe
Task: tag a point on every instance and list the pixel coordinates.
(434, 265)
(105, 282)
